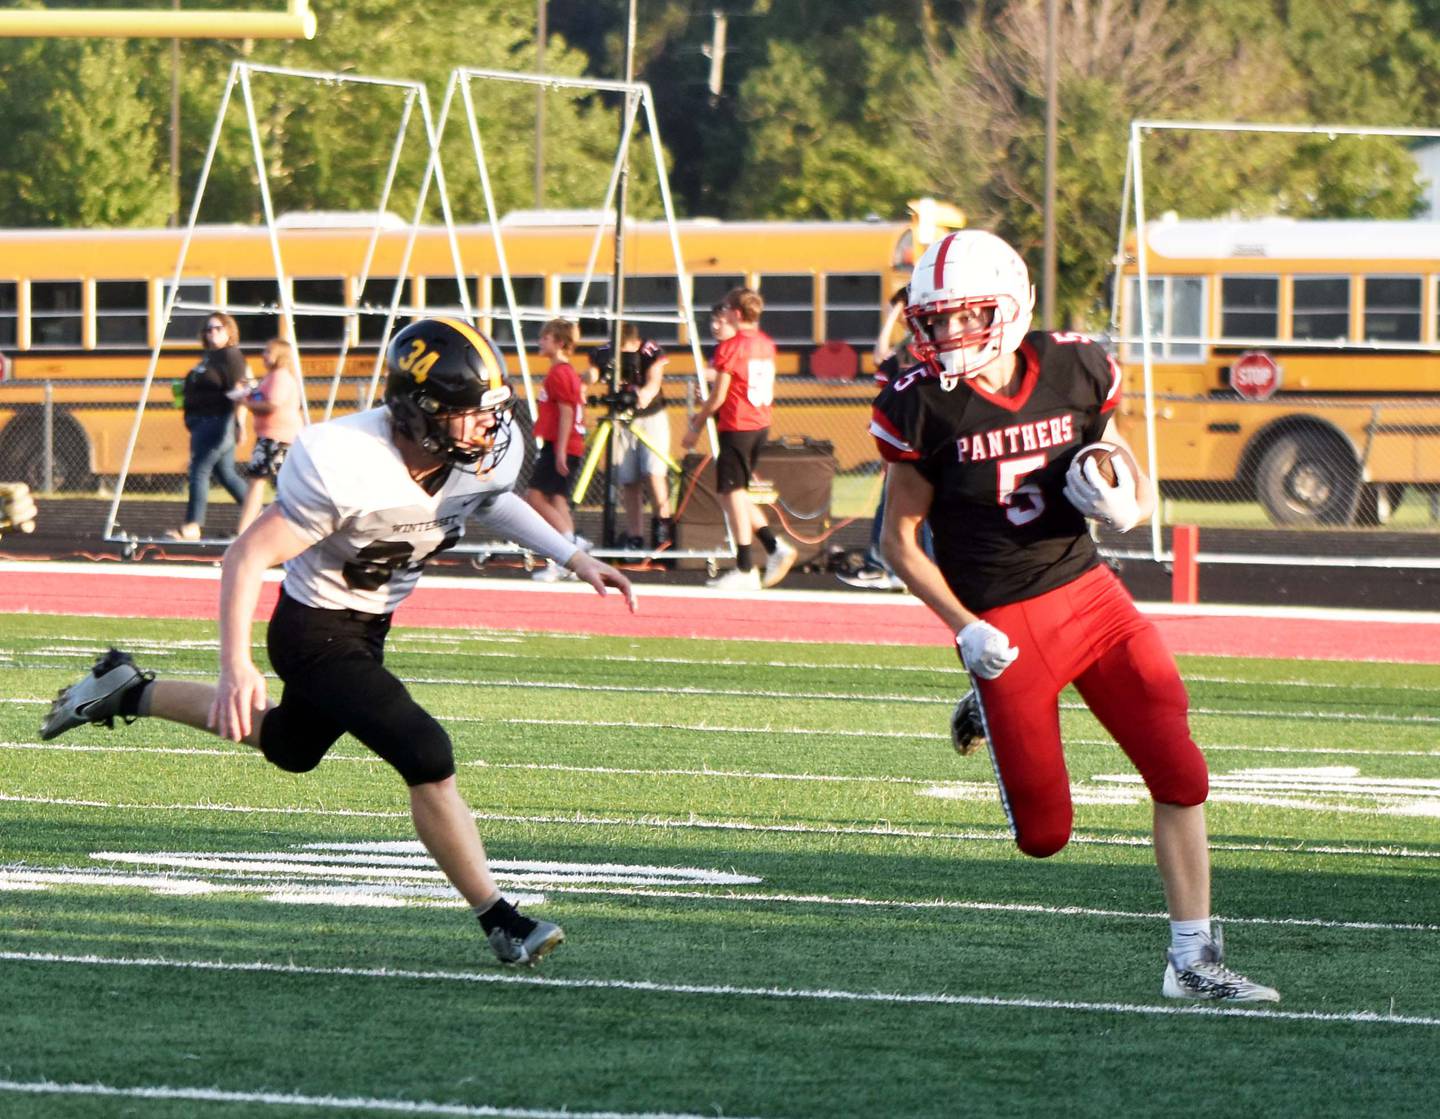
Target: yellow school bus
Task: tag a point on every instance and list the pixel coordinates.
(1294, 363)
(81, 310)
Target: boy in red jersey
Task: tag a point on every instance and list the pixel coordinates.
(744, 366)
(981, 439)
(560, 431)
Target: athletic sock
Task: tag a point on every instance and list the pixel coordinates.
(1188, 939)
(500, 914)
(744, 557)
(767, 540)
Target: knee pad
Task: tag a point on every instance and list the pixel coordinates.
(1041, 843)
(429, 757)
(294, 753)
(1042, 830)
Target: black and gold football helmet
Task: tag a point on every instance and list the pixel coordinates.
(439, 370)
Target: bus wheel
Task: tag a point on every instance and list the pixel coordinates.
(22, 457)
(1307, 478)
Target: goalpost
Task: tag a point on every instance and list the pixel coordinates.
(1262, 544)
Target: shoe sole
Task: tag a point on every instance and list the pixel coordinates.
(541, 950)
(768, 581)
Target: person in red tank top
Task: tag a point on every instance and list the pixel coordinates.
(560, 429)
(744, 369)
(275, 404)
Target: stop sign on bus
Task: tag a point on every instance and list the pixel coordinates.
(1255, 375)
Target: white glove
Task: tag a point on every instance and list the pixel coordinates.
(985, 650)
(1117, 506)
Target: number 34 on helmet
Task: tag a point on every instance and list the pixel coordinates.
(439, 373)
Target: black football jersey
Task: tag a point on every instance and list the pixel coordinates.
(1003, 529)
(635, 367)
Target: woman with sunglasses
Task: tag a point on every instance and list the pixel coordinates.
(211, 390)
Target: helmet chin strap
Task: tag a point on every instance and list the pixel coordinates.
(954, 367)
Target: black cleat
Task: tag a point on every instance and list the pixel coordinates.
(96, 697)
(523, 951)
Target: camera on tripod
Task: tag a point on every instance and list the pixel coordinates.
(622, 402)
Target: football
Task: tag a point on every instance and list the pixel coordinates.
(1103, 454)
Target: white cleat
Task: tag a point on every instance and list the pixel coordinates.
(1208, 979)
(735, 580)
(552, 572)
(778, 563)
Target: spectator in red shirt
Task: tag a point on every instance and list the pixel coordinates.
(560, 433)
(744, 368)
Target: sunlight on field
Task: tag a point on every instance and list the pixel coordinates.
(784, 895)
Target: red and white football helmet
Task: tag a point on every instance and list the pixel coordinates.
(969, 268)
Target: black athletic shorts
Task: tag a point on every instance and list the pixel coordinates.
(736, 462)
(331, 662)
(547, 479)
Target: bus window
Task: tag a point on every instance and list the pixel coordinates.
(852, 307)
(442, 295)
(597, 298)
(1176, 305)
(185, 326)
(789, 307)
(654, 295)
(320, 293)
(1322, 308)
(1392, 308)
(122, 311)
(55, 313)
(1250, 307)
(529, 293)
(9, 311)
(709, 290)
(254, 326)
(374, 303)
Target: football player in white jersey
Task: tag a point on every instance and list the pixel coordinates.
(362, 502)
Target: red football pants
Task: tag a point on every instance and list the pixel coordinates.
(1087, 632)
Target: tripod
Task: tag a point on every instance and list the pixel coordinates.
(595, 454)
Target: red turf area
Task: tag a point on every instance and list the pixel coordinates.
(862, 618)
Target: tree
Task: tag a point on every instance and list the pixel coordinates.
(63, 104)
(983, 123)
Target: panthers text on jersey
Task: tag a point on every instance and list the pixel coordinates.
(345, 487)
(1003, 529)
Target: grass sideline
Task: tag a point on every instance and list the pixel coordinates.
(873, 943)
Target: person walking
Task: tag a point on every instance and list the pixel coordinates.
(211, 391)
(275, 404)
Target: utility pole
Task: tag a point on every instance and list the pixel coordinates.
(715, 52)
(617, 286)
(1052, 97)
(175, 129)
(540, 36)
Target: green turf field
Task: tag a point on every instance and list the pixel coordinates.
(784, 896)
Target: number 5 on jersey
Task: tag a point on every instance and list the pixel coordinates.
(1023, 501)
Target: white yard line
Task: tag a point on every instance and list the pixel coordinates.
(1356, 1017)
(699, 823)
(331, 1103)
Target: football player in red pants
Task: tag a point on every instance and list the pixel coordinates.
(981, 436)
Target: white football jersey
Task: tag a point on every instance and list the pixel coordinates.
(345, 487)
